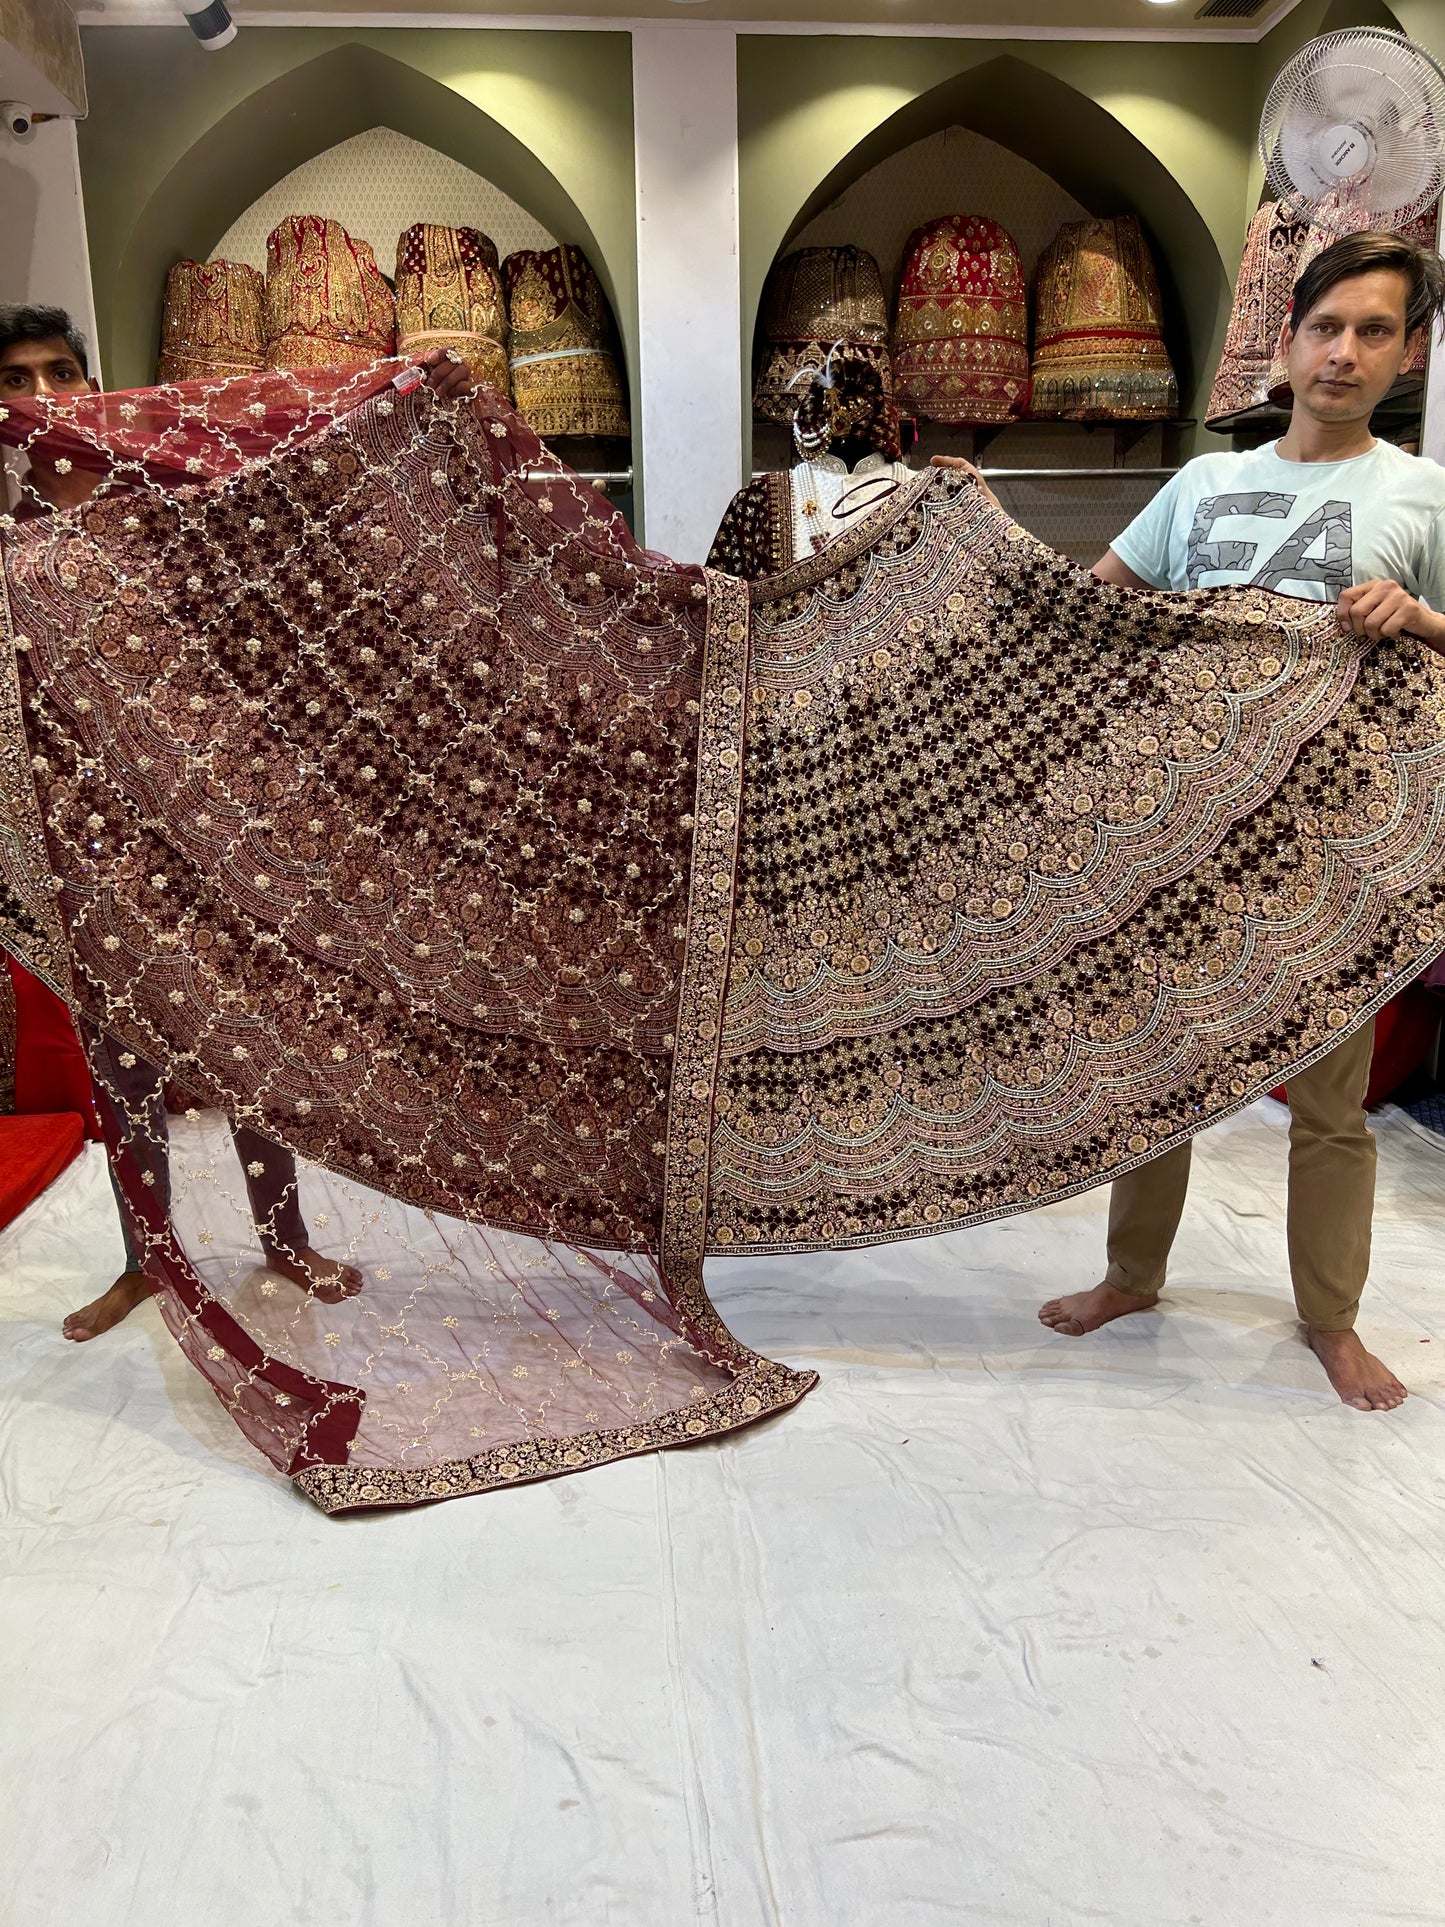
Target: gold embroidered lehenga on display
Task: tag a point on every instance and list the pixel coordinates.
(571, 917)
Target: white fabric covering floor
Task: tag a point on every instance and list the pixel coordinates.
(996, 1627)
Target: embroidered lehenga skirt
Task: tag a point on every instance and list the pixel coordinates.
(566, 917)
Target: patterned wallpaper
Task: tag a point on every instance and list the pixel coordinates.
(377, 184)
(952, 172)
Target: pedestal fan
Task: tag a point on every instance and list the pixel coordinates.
(1353, 132)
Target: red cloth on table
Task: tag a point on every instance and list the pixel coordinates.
(1404, 1032)
(51, 1074)
(33, 1152)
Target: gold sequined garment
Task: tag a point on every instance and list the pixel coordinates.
(1099, 352)
(961, 347)
(211, 322)
(564, 355)
(815, 298)
(568, 916)
(449, 295)
(327, 305)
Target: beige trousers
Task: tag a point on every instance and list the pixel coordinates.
(1331, 1195)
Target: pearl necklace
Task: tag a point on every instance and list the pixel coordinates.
(821, 508)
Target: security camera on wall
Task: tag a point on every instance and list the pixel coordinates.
(19, 120)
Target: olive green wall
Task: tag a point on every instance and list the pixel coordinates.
(1166, 131)
(179, 143)
(1423, 20)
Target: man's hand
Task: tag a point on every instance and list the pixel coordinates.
(448, 375)
(960, 466)
(1383, 609)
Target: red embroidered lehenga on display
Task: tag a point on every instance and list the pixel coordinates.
(570, 915)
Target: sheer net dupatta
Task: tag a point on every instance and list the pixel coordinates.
(352, 773)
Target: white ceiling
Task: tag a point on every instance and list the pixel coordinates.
(1072, 19)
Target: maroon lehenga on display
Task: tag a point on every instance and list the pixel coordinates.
(570, 916)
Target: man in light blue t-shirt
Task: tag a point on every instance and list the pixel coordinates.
(1326, 512)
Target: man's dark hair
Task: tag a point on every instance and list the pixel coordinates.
(43, 324)
(1372, 253)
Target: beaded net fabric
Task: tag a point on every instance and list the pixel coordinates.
(449, 295)
(211, 321)
(327, 305)
(961, 347)
(528, 917)
(1099, 351)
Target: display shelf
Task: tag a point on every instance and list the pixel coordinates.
(1401, 408)
(1048, 441)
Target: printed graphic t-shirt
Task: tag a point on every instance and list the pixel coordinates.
(1304, 528)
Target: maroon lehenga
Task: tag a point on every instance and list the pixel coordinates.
(569, 916)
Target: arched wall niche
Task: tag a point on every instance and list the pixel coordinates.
(1105, 122)
(177, 148)
(1095, 160)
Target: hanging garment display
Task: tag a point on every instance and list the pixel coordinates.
(211, 321)
(1099, 351)
(1261, 304)
(565, 370)
(961, 346)
(567, 915)
(449, 295)
(327, 305)
(778, 517)
(815, 298)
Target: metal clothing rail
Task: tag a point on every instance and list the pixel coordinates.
(1055, 474)
(598, 477)
(1076, 474)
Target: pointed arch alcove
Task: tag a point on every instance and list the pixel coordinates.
(1066, 133)
(177, 148)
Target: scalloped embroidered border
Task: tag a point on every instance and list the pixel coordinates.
(755, 1395)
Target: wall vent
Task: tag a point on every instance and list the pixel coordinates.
(1229, 9)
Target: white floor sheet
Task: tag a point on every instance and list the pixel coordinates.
(997, 1627)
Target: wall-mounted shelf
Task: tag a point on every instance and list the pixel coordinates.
(1127, 435)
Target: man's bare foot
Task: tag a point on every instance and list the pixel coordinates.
(325, 1278)
(132, 1288)
(1360, 1379)
(1085, 1311)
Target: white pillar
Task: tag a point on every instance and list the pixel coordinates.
(685, 115)
(44, 257)
(1432, 428)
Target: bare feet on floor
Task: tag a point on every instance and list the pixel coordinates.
(1085, 1311)
(129, 1290)
(1360, 1379)
(325, 1278)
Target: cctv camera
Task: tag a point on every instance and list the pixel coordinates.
(210, 21)
(19, 120)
